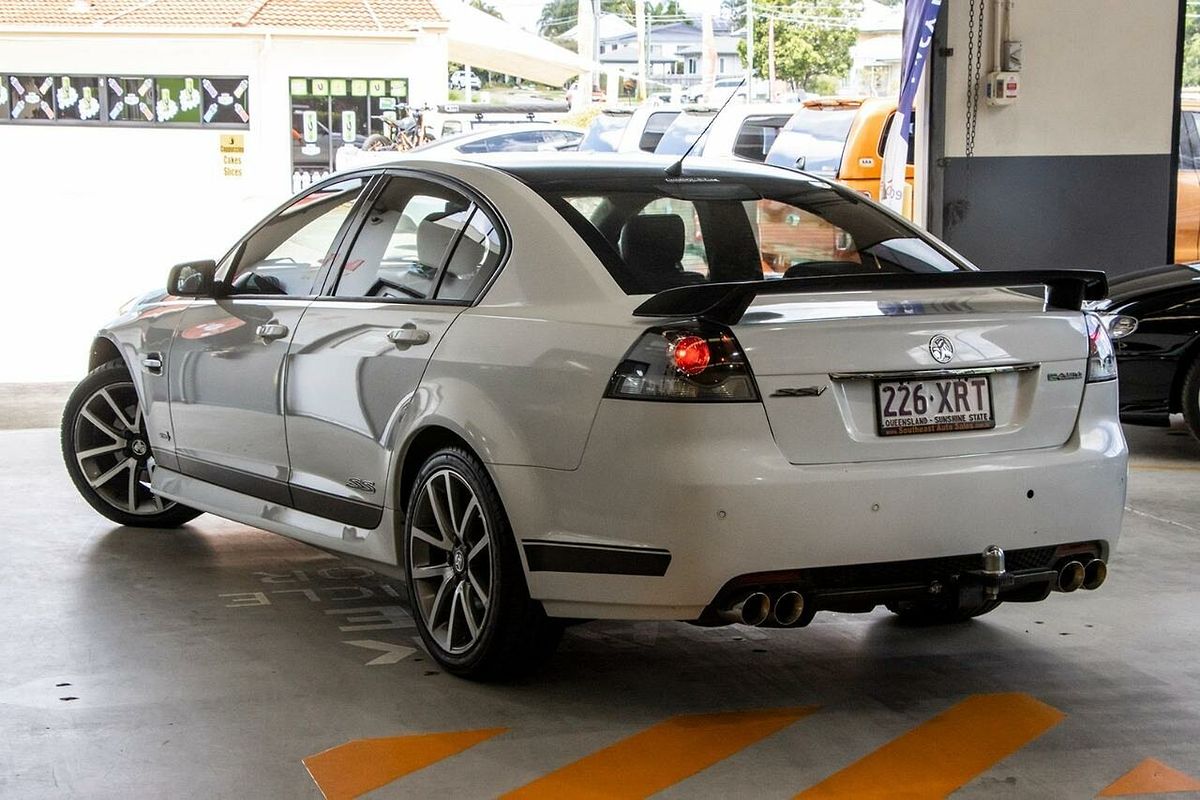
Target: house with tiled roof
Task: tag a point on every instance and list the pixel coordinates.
(286, 82)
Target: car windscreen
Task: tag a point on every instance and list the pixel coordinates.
(813, 141)
(604, 134)
(654, 233)
(682, 132)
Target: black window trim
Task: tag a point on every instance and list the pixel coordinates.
(477, 203)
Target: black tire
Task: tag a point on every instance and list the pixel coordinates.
(1190, 401)
(925, 614)
(513, 636)
(80, 435)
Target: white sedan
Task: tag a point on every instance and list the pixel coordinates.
(516, 137)
(546, 390)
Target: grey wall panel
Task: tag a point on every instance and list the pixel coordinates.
(1017, 212)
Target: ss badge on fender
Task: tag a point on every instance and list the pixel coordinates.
(361, 485)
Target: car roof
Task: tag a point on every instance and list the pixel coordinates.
(538, 167)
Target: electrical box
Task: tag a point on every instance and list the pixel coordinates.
(1003, 88)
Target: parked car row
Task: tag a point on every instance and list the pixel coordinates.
(837, 138)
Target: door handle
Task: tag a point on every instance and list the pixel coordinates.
(272, 331)
(407, 335)
(153, 363)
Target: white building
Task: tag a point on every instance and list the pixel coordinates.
(141, 133)
(875, 58)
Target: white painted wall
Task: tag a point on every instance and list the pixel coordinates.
(1098, 78)
(92, 216)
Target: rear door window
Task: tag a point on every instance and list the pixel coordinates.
(421, 241)
(403, 242)
(757, 135)
(656, 125)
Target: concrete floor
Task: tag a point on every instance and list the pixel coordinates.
(209, 662)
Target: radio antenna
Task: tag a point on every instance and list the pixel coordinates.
(674, 170)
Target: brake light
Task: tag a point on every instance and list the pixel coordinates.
(691, 355)
(696, 361)
(1102, 359)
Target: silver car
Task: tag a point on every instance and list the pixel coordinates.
(542, 389)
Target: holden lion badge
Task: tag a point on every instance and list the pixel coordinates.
(941, 348)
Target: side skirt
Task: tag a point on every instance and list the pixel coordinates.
(376, 544)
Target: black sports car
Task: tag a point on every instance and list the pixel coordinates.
(1154, 318)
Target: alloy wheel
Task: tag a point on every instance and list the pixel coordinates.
(113, 452)
(450, 561)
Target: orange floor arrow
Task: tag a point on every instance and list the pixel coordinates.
(937, 757)
(660, 756)
(358, 766)
(1151, 777)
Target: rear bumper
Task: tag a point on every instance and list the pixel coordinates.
(673, 503)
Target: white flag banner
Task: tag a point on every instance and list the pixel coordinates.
(920, 20)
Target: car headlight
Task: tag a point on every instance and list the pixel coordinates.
(1119, 325)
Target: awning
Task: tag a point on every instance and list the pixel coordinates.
(485, 42)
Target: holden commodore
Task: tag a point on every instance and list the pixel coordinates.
(544, 391)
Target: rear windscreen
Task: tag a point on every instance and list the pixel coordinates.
(604, 134)
(655, 233)
(813, 141)
(683, 132)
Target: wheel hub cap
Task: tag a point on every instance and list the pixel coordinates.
(139, 448)
(460, 561)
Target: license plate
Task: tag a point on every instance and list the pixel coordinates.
(934, 405)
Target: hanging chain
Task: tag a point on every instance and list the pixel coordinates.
(974, 71)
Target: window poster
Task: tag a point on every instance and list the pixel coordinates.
(169, 101)
(130, 99)
(78, 98)
(178, 100)
(226, 101)
(329, 112)
(32, 97)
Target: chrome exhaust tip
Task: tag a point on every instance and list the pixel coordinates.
(789, 607)
(753, 610)
(1094, 574)
(1070, 577)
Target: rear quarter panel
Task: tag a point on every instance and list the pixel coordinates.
(520, 375)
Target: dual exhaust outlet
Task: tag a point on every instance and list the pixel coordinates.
(1077, 575)
(758, 607)
(787, 608)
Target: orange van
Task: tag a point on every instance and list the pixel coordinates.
(1187, 200)
(841, 138)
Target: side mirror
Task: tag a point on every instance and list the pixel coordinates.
(192, 279)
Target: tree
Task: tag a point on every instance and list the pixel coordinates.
(559, 16)
(486, 8)
(812, 38)
(1191, 53)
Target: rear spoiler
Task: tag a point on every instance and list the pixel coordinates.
(1067, 289)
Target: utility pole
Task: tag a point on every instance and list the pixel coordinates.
(586, 39)
(771, 58)
(639, 11)
(749, 49)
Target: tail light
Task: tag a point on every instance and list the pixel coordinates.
(697, 361)
(1102, 360)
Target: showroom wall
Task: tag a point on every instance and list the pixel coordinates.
(1077, 172)
(94, 214)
